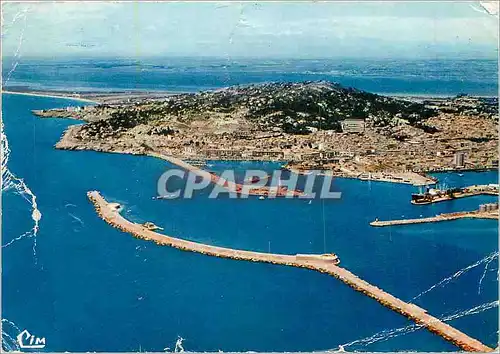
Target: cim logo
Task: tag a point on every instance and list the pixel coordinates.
(28, 341)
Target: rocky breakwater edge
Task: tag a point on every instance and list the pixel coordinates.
(326, 263)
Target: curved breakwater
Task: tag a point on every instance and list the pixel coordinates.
(110, 213)
(327, 263)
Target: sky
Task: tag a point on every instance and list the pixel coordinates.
(246, 29)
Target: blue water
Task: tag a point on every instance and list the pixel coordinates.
(89, 287)
(416, 77)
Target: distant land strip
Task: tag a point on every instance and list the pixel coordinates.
(328, 263)
(63, 95)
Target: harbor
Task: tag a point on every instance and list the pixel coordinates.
(410, 178)
(485, 211)
(232, 187)
(324, 263)
(433, 195)
(201, 178)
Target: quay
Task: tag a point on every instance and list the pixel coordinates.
(411, 178)
(326, 263)
(280, 191)
(476, 214)
(436, 195)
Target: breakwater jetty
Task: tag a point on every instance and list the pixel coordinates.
(326, 263)
(477, 214)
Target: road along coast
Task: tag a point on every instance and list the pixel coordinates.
(328, 263)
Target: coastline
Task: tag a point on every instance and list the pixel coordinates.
(96, 97)
(36, 94)
(408, 178)
(411, 179)
(417, 96)
(67, 142)
(116, 96)
(181, 162)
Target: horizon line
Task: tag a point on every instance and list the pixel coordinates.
(229, 58)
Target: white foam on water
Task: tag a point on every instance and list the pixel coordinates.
(392, 333)
(381, 336)
(457, 274)
(484, 274)
(471, 311)
(178, 345)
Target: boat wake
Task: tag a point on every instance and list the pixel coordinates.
(396, 332)
(486, 260)
(484, 273)
(12, 182)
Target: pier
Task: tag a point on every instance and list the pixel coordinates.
(326, 263)
(439, 218)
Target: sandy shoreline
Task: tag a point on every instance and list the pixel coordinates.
(37, 94)
(96, 97)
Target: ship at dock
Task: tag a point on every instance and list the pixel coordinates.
(434, 195)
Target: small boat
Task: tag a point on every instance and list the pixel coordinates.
(262, 197)
(460, 174)
(166, 196)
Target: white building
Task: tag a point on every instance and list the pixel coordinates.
(459, 159)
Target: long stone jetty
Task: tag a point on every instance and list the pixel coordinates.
(439, 218)
(328, 263)
(110, 213)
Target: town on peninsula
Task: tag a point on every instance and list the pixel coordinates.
(250, 177)
(308, 125)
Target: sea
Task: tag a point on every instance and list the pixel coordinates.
(429, 77)
(70, 278)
